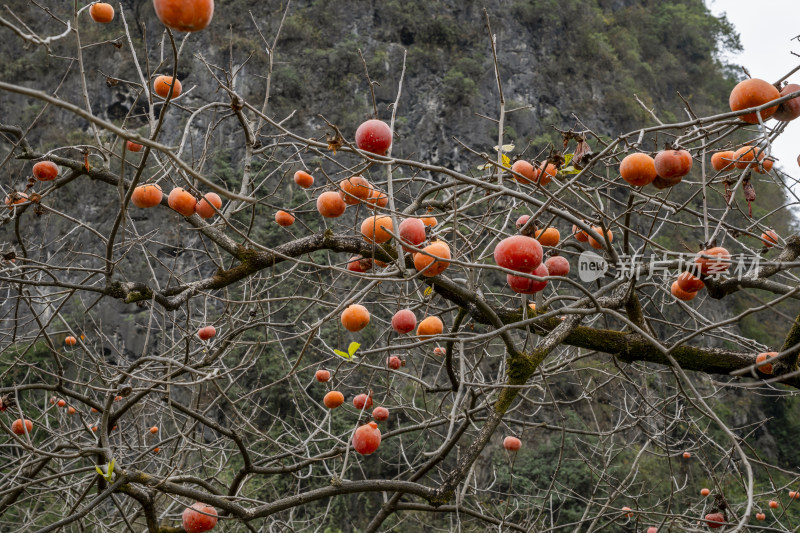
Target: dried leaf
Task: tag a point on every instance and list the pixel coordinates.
(334, 141)
(749, 195)
(583, 153)
(6, 402)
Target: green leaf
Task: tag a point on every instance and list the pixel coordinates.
(506, 161)
(100, 471)
(342, 354)
(352, 348)
(569, 170)
(111, 469)
(568, 158)
(427, 291)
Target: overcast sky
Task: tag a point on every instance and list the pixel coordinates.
(766, 29)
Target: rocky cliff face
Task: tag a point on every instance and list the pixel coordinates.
(557, 60)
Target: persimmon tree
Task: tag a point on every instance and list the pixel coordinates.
(335, 272)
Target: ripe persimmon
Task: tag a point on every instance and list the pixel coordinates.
(199, 518)
(432, 266)
(548, 237)
(599, 244)
(45, 171)
(430, 326)
(404, 321)
(525, 285)
(70, 341)
(545, 173)
(673, 164)
(154, 430)
(769, 238)
(61, 403)
(760, 358)
(704, 492)
(330, 204)
(333, 399)
(663, 183)
(204, 207)
(638, 169)
(15, 198)
(681, 294)
(411, 231)
(71, 410)
(207, 332)
(355, 189)
(284, 219)
(519, 253)
(374, 136)
(17, 426)
(723, 160)
(689, 283)
(184, 15)
(557, 265)
(380, 414)
(101, 12)
(790, 109)
(522, 220)
(133, 147)
(753, 93)
(377, 198)
(374, 229)
(713, 261)
(367, 438)
(355, 317)
(145, 196)
(512, 444)
(715, 520)
(431, 221)
(322, 375)
(362, 401)
(359, 264)
(182, 201)
(162, 84)
(579, 234)
(765, 165)
(747, 156)
(525, 169)
(303, 179)
(773, 504)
